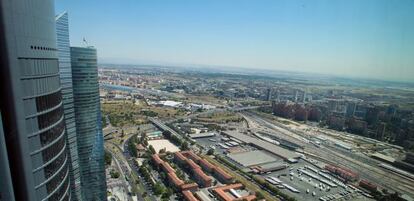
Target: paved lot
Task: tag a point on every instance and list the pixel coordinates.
(303, 182)
(161, 144)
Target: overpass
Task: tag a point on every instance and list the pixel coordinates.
(163, 127)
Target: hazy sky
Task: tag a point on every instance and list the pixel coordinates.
(362, 38)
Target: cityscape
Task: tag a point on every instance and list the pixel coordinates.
(75, 128)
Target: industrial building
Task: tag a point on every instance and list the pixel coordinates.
(344, 173)
(251, 158)
(269, 167)
(272, 148)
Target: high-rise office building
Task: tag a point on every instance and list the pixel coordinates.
(269, 94)
(31, 103)
(65, 71)
(6, 186)
(88, 123)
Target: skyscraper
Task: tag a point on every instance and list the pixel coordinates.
(31, 103)
(6, 186)
(65, 71)
(269, 94)
(88, 123)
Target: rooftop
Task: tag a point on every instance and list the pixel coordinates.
(222, 193)
(163, 144)
(222, 173)
(192, 164)
(177, 181)
(250, 158)
(272, 148)
(188, 195)
(167, 167)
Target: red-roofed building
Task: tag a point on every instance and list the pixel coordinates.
(201, 178)
(180, 158)
(223, 176)
(223, 193)
(188, 196)
(368, 185)
(345, 173)
(157, 160)
(167, 168)
(207, 166)
(189, 187)
(191, 155)
(192, 164)
(174, 180)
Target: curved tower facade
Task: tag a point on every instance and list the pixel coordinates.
(65, 70)
(31, 103)
(88, 123)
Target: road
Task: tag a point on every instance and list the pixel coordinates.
(132, 166)
(126, 185)
(125, 165)
(163, 127)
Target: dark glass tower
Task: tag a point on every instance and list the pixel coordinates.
(88, 123)
(65, 70)
(6, 186)
(31, 104)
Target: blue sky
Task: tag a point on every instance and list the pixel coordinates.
(357, 38)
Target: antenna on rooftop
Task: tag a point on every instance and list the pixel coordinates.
(85, 42)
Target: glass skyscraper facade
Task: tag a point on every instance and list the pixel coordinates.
(31, 104)
(6, 186)
(88, 123)
(65, 72)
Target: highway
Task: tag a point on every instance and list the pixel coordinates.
(162, 126)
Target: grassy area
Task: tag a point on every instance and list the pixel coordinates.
(127, 114)
(205, 99)
(249, 185)
(220, 117)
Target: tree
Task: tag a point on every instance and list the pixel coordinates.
(184, 146)
(108, 158)
(143, 137)
(158, 189)
(162, 150)
(152, 150)
(132, 149)
(210, 151)
(167, 134)
(167, 193)
(259, 195)
(114, 174)
(180, 174)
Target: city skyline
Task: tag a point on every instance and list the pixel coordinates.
(370, 39)
(189, 110)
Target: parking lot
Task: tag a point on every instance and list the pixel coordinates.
(308, 187)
